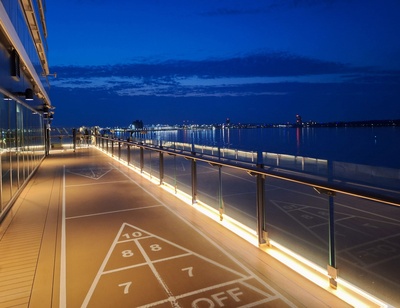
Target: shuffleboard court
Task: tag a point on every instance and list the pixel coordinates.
(122, 247)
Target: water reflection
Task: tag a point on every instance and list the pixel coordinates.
(353, 145)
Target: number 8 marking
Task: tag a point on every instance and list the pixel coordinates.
(127, 253)
(155, 247)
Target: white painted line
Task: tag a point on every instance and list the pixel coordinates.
(173, 257)
(120, 269)
(158, 276)
(257, 290)
(212, 287)
(92, 184)
(92, 175)
(114, 212)
(263, 301)
(133, 240)
(101, 270)
(63, 272)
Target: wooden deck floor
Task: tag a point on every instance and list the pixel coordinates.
(88, 232)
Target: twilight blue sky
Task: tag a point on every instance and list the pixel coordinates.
(254, 61)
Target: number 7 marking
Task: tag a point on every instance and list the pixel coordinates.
(126, 286)
(189, 269)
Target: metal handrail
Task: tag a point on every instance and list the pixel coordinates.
(292, 176)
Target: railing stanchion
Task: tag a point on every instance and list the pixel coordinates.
(74, 138)
(119, 149)
(332, 270)
(260, 178)
(161, 158)
(220, 198)
(194, 181)
(141, 159)
(128, 154)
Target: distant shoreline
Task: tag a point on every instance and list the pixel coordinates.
(371, 123)
(153, 128)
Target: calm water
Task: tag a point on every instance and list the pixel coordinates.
(377, 146)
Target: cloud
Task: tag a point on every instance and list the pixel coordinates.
(264, 74)
(262, 64)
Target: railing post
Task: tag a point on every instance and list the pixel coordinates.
(175, 180)
(128, 154)
(112, 147)
(119, 149)
(260, 195)
(74, 138)
(220, 198)
(194, 181)
(141, 159)
(332, 270)
(161, 158)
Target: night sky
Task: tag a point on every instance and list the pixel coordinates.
(202, 61)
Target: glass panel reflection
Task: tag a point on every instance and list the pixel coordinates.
(208, 184)
(297, 218)
(151, 163)
(239, 195)
(179, 171)
(368, 249)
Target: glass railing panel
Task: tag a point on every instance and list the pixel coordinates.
(206, 150)
(178, 172)
(170, 170)
(368, 246)
(239, 196)
(383, 180)
(123, 151)
(297, 217)
(112, 147)
(299, 163)
(208, 185)
(270, 159)
(315, 166)
(151, 163)
(135, 156)
(246, 156)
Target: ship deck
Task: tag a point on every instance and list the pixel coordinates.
(88, 231)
